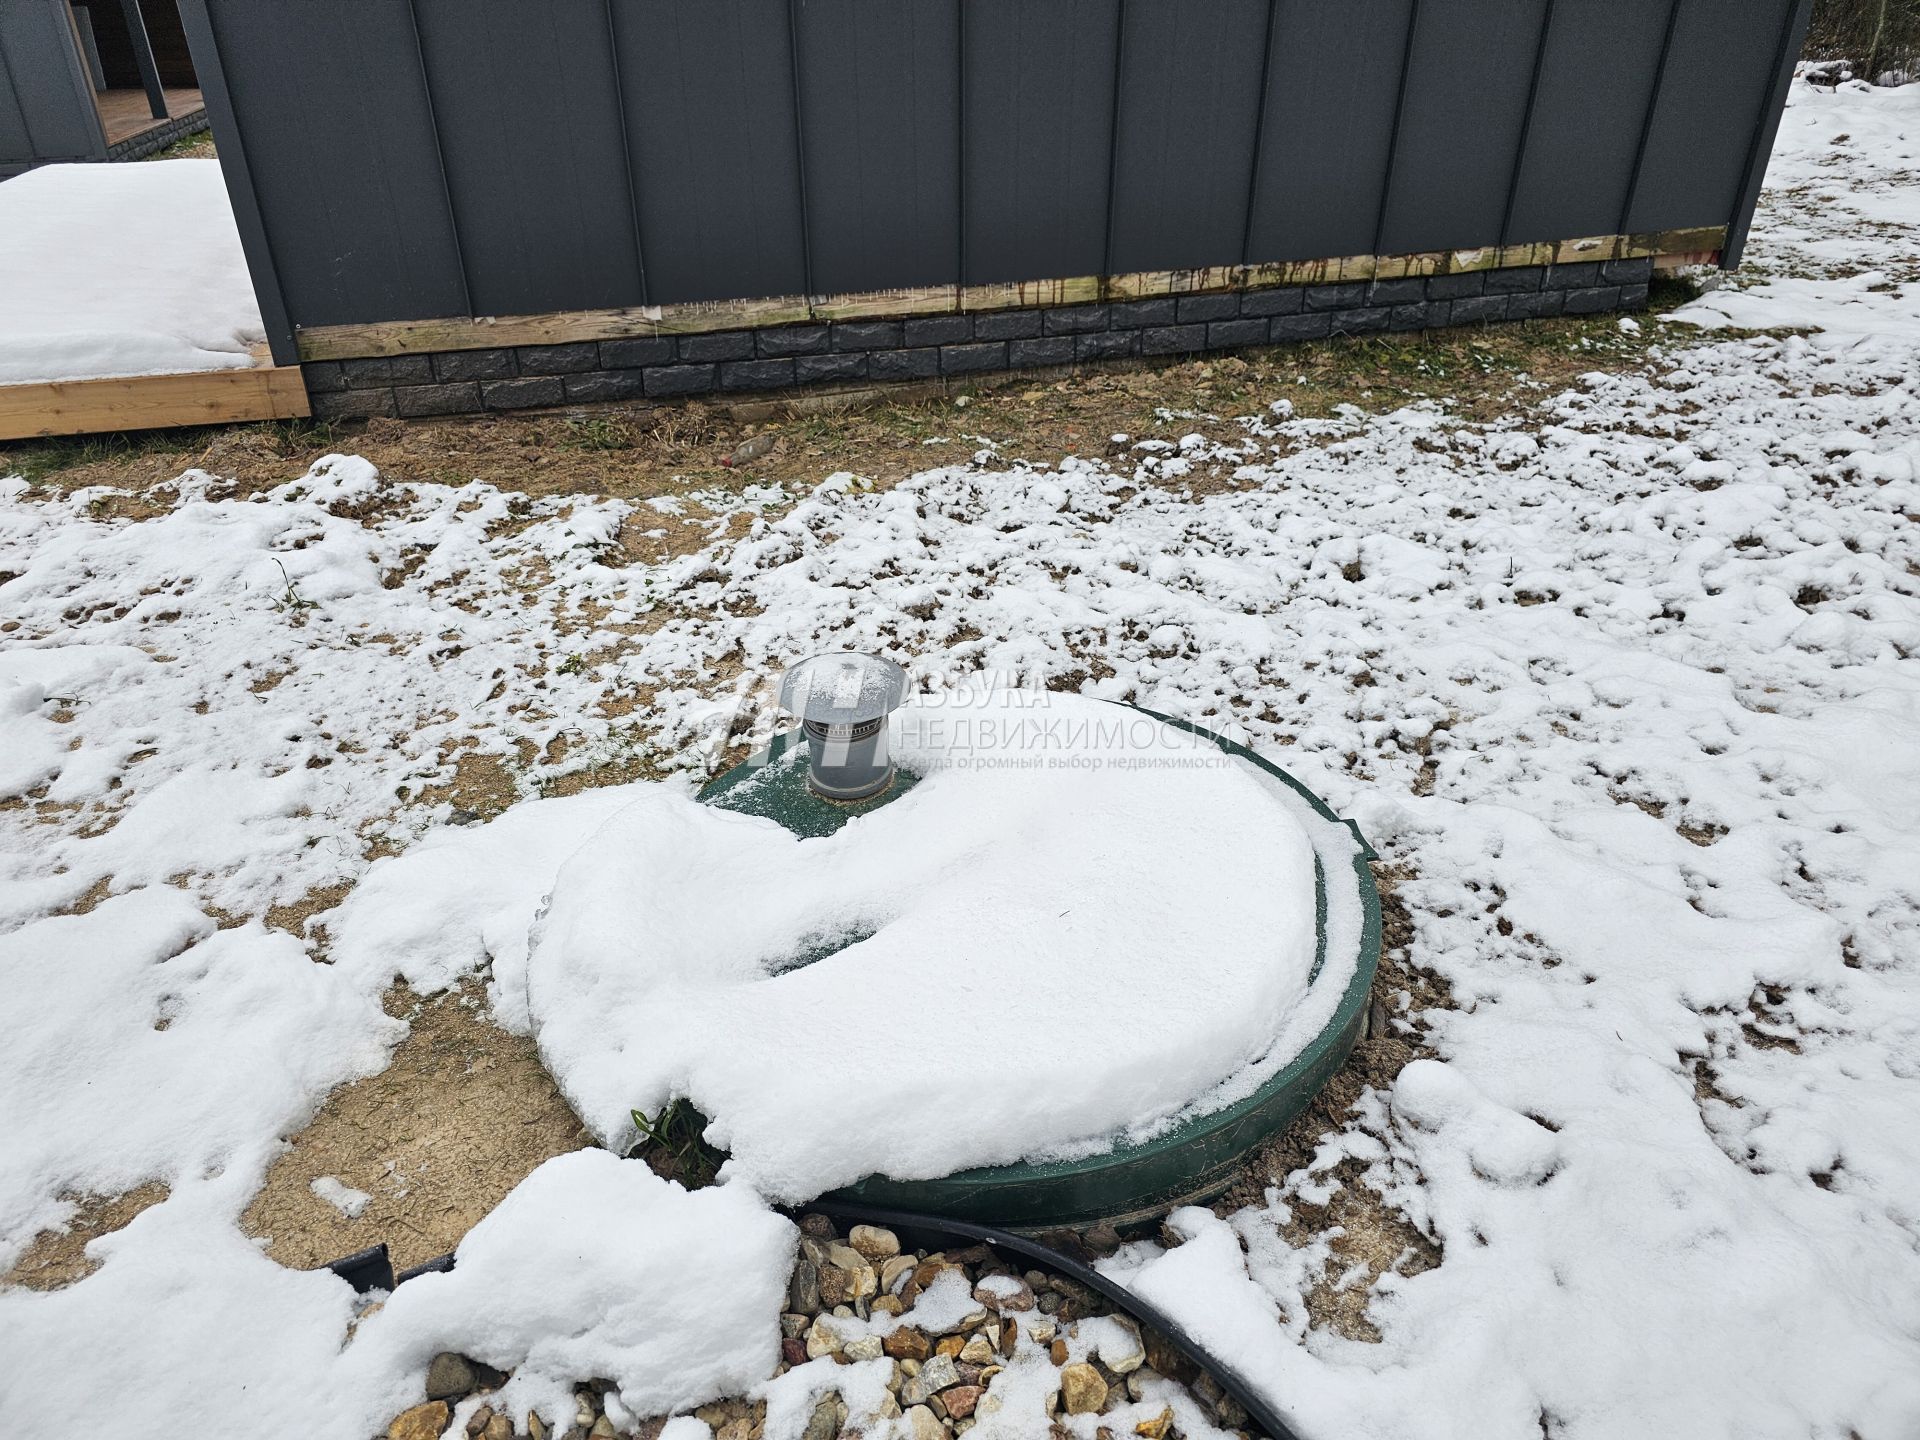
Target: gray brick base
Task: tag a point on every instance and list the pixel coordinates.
(935, 346)
(152, 142)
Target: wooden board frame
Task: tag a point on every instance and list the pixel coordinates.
(47, 408)
(481, 332)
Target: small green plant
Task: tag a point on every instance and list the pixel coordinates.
(599, 432)
(293, 603)
(574, 664)
(672, 1143)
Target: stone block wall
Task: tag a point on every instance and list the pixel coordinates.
(934, 347)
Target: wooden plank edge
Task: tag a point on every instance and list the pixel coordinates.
(48, 408)
(404, 337)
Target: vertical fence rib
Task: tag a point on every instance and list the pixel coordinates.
(142, 46)
(1646, 121)
(1399, 114)
(1113, 132)
(1526, 124)
(800, 150)
(440, 157)
(960, 134)
(1259, 137)
(237, 171)
(626, 153)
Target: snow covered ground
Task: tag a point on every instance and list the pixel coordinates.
(1629, 685)
(122, 270)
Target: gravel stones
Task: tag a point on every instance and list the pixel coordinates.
(873, 1243)
(960, 1400)
(1004, 1293)
(803, 1289)
(449, 1376)
(1082, 1390)
(422, 1422)
(840, 1296)
(824, 1423)
(909, 1342)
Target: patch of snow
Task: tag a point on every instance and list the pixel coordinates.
(122, 270)
(1833, 240)
(592, 1265)
(348, 1201)
(595, 1266)
(145, 1044)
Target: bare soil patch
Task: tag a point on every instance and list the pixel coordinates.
(57, 1258)
(462, 1114)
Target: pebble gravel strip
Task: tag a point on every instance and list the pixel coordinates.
(942, 1381)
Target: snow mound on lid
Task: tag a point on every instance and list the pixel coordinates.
(1079, 920)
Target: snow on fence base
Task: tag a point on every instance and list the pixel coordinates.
(1200, 1155)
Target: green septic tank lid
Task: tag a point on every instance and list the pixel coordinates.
(1188, 1163)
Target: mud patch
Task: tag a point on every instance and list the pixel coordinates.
(462, 1114)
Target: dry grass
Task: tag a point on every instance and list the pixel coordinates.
(462, 1114)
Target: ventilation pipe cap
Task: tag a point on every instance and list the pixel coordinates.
(843, 701)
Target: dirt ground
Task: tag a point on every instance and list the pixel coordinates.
(463, 1114)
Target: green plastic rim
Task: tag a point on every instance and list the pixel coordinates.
(1128, 1183)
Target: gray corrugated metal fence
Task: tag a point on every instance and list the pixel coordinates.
(46, 97)
(404, 159)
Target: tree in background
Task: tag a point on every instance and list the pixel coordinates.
(1880, 39)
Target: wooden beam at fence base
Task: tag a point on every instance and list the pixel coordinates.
(151, 402)
(402, 337)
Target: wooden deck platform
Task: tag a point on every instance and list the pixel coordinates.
(125, 113)
(151, 402)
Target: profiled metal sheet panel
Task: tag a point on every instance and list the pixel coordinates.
(530, 127)
(1190, 97)
(15, 146)
(1332, 85)
(1039, 125)
(1460, 123)
(1717, 81)
(1596, 80)
(340, 145)
(709, 94)
(880, 124)
(46, 103)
